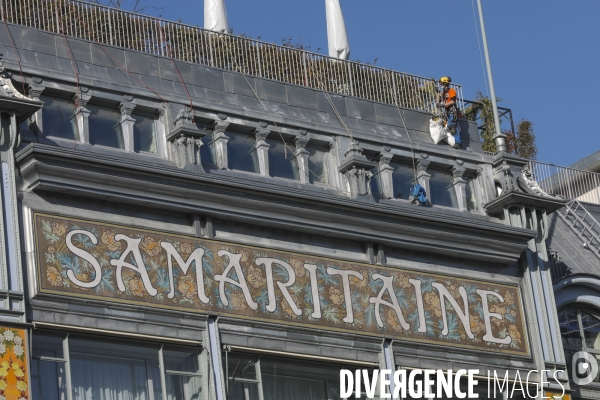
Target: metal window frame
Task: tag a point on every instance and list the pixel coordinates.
(289, 356)
(66, 359)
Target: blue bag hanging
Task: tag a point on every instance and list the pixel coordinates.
(418, 194)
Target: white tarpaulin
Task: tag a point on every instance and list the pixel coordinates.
(439, 132)
(336, 31)
(215, 16)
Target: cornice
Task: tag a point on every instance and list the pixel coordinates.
(133, 179)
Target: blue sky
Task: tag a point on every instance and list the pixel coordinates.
(545, 53)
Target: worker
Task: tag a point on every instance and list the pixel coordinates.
(447, 99)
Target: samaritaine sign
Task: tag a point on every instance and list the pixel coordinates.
(117, 263)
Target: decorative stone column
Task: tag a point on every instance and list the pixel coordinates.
(186, 140)
(220, 142)
(460, 185)
(385, 174)
(262, 148)
(127, 122)
(422, 175)
(357, 170)
(302, 158)
(82, 114)
(35, 91)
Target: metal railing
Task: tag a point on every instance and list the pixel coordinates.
(570, 183)
(183, 42)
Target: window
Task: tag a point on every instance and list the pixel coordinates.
(376, 181)
(403, 178)
(105, 126)
(208, 151)
(470, 193)
(318, 165)
(255, 377)
(144, 134)
(282, 160)
(441, 186)
(112, 370)
(58, 117)
(580, 330)
(241, 152)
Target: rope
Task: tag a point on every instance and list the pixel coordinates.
(286, 146)
(73, 65)
(412, 151)
(118, 64)
(175, 65)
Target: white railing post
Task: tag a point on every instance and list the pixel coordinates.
(110, 29)
(305, 68)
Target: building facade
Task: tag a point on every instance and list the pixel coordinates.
(173, 230)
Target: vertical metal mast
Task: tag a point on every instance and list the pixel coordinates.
(499, 136)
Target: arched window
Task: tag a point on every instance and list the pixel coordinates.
(580, 331)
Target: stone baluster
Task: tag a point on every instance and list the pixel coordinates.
(302, 158)
(262, 148)
(127, 123)
(82, 114)
(35, 91)
(460, 186)
(220, 143)
(423, 176)
(385, 174)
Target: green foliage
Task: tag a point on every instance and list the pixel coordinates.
(525, 140)
(521, 142)
(482, 112)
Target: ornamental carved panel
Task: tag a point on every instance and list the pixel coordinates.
(155, 269)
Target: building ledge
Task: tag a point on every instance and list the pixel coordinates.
(262, 201)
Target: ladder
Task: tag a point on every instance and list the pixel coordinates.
(583, 224)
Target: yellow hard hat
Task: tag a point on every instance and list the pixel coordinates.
(445, 79)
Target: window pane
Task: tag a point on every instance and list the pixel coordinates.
(56, 117)
(442, 188)
(376, 182)
(25, 125)
(241, 367)
(470, 191)
(241, 152)
(181, 361)
(208, 151)
(403, 178)
(295, 380)
(183, 387)
(243, 391)
(48, 380)
(591, 329)
(47, 346)
(105, 128)
(144, 135)
(108, 371)
(569, 328)
(282, 161)
(279, 386)
(47, 377)
(317, 164)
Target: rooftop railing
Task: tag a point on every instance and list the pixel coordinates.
(570, 183)
(157, 36)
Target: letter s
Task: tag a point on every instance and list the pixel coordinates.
(557, 381)
(86, 256)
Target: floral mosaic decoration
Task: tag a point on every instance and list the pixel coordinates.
(175, 288)
(13, 365)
